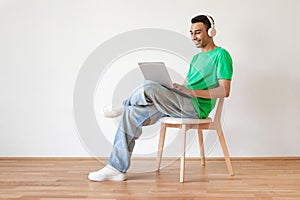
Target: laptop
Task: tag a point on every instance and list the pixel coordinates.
(157, 71)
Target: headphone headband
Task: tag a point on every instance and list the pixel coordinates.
(212, 24)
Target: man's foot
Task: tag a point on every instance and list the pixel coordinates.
(107, 173)
(112, 112)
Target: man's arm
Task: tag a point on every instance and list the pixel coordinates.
(223, 90)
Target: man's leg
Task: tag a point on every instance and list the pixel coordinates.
(145, 106)
(130, 129)
(169, 102)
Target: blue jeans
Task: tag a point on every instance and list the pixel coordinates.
(145, 106)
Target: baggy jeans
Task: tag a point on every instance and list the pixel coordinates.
(145, 106)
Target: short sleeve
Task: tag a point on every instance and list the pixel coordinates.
(224, 66)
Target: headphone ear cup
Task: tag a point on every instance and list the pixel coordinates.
(212, 32)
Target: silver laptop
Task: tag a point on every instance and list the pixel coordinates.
(157, 71)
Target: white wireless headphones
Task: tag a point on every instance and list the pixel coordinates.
(212, 30)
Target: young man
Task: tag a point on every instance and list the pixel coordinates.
(209, 77)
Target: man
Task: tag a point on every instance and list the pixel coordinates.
(209, 77)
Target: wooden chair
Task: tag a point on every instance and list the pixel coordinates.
(199, 124)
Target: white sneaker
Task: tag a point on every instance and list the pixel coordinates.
(112, 112)
(107, 173)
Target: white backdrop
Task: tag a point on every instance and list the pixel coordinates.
(43, 45)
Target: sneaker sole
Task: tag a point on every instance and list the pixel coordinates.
(114, 178)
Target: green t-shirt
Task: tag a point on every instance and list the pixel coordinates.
(206, 68)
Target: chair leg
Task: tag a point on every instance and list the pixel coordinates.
(182, 159)
(201, 146)
(225, 150)
(163, 129)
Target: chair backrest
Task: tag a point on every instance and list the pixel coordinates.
(218, 113)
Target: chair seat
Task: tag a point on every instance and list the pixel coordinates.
(173, 120)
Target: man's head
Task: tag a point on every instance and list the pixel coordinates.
(202, 30)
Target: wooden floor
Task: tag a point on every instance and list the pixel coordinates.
(67, 179)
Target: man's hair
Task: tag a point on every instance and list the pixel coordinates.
(203, 19)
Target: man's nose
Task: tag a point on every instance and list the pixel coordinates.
(193, 36)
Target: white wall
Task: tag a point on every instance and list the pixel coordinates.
(43, 45)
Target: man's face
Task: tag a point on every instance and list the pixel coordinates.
(199, 35)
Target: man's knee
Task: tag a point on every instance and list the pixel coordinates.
(150, 83)
(152, 88)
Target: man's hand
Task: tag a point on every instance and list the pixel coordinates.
(182, 88)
